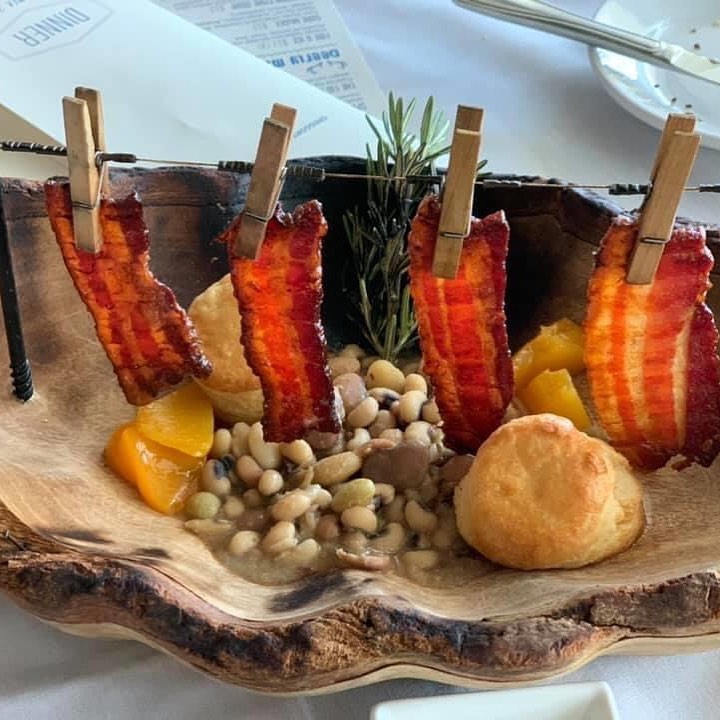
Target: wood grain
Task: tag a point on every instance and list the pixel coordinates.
(94, 559)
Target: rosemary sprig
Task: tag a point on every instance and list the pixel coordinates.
(377, 235)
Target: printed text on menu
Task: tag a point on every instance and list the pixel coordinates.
(304, 37)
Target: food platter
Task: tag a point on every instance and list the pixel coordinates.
(84, 554)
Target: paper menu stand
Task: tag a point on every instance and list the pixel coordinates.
(171, 90)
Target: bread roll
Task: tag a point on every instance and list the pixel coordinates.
(233, 388)
(541, 494)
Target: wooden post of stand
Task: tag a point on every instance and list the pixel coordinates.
(84, 173)
(459, 192)
(266, 180)
(673, 165)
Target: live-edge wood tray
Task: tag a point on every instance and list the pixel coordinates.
(85, 554)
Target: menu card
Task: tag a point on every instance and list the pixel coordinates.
(306, 38)
(172, 91)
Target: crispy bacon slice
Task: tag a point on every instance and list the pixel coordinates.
(651, 351)
(462, 327)
(279, 296)
(147, 336)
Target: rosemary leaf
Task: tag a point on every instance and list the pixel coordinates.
(377, 235)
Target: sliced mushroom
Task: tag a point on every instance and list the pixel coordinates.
(404, 466)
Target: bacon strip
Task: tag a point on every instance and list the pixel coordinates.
(147, 336)
(279, 296)
(462, 327)
(651, 351)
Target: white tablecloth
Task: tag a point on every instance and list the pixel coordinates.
(546, 114)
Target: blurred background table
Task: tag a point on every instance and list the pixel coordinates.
(546, 114)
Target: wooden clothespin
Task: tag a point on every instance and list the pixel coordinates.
(459, 191)
(266, 180)
(85, 138)
(675, 158)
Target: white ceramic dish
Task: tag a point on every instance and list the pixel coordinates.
(649, 92)
(578, 701)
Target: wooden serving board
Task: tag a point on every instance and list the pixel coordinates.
(85, 554)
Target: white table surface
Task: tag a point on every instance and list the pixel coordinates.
(546, 114)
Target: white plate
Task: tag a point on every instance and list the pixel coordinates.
(649, 92)
(578, 701)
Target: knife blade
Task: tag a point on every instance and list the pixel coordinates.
(541, 16)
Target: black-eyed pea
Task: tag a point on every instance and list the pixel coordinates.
(418, 432)
(270, 483)
(248, 471)
(384, 420)
(383, 373)
(307, 523)
(233, 508)
(385, 492)
(391, 540)
(435, 453)
(416, 562)
(298, 452)
(327, 528)
(319, 496)
(430, 412)
(364, 414)
(243, 542)
(353, 350)
(360, 437)
(203, 505)
(252, 499)
(291, 506)
(419, 518)
(214, 478)
(385, 396)
(222, 443)
(354, 541)
(280, 537)
(415, 381)
(394, 435)
(336, 468)
(352, 390)
(301, 555)
(266, 454)
(239, 445)
(410, 405)
(444, 537)
(342, 365)
(339, 406)
(301, 476)
(210, 528)
(359, 518)
(354, 492)
(395, 510)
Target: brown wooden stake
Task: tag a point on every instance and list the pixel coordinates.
(457, 199)
(673, 165)
(266, 180)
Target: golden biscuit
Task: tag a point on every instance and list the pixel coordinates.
(541, 494)
(233, 388)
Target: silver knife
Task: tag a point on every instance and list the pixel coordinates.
(541, 16)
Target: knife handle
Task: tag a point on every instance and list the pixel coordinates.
(541, 16)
